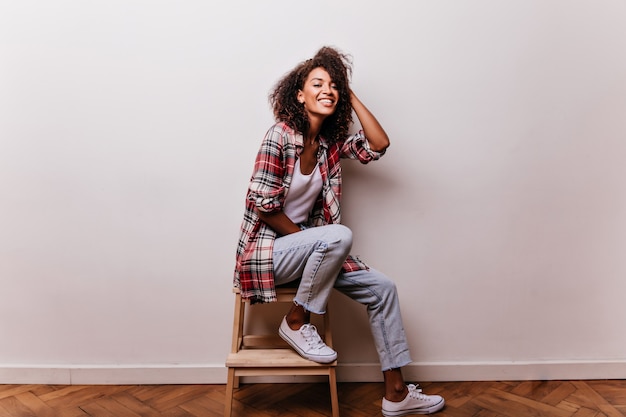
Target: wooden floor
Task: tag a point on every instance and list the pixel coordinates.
(464, 399)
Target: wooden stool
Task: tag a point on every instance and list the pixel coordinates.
(269, 355)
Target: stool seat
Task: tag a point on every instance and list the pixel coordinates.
(269, 355)
(264, 358)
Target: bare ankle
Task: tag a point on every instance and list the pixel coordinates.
(395, 388)
(294, 324)
(397, 395)
(297, 316)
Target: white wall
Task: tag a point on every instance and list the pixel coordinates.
(128, 131)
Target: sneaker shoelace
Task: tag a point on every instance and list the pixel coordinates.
(313, 339)
(415, 392)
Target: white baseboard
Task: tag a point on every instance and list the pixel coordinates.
(349, 372)
(491, 371)
(114, 375)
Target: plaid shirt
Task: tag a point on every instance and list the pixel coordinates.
(273, 171)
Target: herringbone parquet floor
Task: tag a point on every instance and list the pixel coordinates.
(464, 399)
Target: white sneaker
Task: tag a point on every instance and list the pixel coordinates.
(414, 403)
(307, 342)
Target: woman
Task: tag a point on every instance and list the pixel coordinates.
(291, 228)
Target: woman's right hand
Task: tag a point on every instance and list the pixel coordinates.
(279, 222)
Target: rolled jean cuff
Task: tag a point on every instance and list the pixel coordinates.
(402, 360)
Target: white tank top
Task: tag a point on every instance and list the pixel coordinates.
(302, 193)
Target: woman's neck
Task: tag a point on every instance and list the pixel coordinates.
(315, 126)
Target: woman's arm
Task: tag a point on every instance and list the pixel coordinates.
(374, 132)
(279, 221)
(266, 185)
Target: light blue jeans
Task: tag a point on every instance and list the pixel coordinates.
(315, 256)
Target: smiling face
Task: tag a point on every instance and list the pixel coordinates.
(319, 95)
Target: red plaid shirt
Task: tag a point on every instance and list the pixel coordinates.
(273, 171)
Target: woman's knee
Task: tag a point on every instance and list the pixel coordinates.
(385, 286)
(341, 236)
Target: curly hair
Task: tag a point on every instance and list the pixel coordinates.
(286, 107)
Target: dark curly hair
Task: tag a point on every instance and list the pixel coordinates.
(286, 107)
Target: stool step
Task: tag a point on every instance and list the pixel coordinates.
(268, 358)
(272, 341)
(258, 354)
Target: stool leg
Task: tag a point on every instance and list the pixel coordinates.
(334, 399)
(228, 401)
(238, 322)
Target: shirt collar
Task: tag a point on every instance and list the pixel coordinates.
(300, 141)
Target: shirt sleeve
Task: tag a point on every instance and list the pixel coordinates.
(357, 147)
(266, 190)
